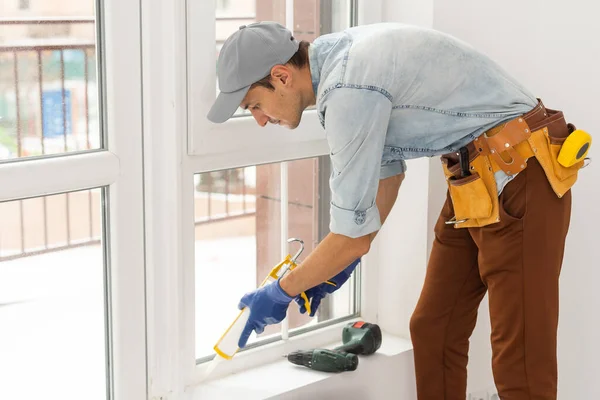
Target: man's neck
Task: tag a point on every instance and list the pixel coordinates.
(306, 89)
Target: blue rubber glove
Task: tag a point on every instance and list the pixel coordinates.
(317, 293)
(268, 305)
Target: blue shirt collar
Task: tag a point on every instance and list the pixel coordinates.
(315, 68)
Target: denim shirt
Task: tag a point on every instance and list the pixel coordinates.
(391, 92)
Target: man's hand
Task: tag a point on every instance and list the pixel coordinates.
(317, 293)
(268, 305)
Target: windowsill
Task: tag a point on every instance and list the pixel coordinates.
(281, 377)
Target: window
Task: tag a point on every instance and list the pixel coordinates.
(48, 84)
(52, 296)
(244, 217)
(71, 236)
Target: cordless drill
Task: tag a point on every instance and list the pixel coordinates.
(357, 338)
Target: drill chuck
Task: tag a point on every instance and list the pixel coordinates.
(325, 360)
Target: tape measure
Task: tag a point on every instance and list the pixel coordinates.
(575, 148)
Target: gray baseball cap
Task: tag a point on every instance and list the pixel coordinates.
(247, 56)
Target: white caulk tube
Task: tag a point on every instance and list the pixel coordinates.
(227, 346)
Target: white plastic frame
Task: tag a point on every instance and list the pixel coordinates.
(119, 169)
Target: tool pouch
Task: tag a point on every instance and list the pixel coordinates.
(546, 148)
(474, 198)
(470, 197)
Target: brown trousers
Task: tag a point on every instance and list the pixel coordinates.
(518, 262)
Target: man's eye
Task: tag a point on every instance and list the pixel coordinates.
(256, 107)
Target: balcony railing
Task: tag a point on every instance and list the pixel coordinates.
(48, 105)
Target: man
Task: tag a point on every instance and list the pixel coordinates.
(386, 93)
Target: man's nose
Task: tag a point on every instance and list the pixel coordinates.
(260, 117)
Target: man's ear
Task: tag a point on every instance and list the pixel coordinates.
(281, 74)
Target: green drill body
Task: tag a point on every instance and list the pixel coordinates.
(325, 360)
(357, 338)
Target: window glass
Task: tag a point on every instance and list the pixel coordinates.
(48, 79)
(52, 298)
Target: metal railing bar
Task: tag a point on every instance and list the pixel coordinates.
(52, 46)
(90, 205)
(246, 17)
(41, 86)
(89, 20)
(47, 20)
(44, 199)
(227, 175)
(68, 218)
(22, 225)
(85, 98)
(64, 102)
(17, 102)
(244, 188)
(86, 106)
(210, 177)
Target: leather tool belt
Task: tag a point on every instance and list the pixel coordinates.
(507, 147)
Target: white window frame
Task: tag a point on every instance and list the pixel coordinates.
(178, 54)
(118, 168)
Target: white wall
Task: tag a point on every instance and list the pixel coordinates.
(401, 245)
(553, 48)
(415, 12)
(402, 250)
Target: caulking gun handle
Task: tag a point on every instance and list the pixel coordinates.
(306, 302)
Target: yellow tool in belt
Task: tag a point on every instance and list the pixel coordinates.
(575, 148)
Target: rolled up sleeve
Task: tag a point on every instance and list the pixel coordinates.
(356, 122)
(396, 168)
